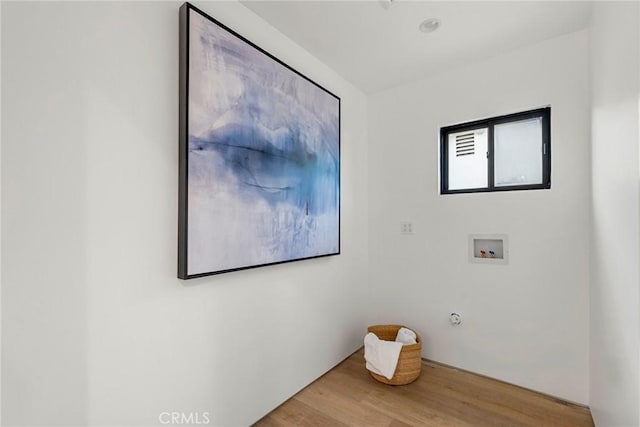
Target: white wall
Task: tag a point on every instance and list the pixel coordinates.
(526, 322)
(96, 328)
(615, 300)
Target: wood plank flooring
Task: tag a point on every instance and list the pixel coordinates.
(442, 396)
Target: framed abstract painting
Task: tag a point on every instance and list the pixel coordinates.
(259, 155)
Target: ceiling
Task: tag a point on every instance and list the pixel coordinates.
(376, 45)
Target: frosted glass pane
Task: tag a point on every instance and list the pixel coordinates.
(518, 153)
(467, 159)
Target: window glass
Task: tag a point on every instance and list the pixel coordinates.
(518, 152)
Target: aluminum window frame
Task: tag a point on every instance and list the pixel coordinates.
(543, 113)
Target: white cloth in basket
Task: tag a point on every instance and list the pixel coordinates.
(381, 356)
(406, 336)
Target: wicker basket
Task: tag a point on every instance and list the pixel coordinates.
(410, 360)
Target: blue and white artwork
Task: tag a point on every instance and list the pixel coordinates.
(263, 160)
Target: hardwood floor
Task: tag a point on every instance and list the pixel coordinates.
(442, 396)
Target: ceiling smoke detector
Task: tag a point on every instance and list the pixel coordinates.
(429, 25)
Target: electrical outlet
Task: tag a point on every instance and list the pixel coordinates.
(406, 228)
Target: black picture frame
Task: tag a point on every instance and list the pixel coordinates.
(278, 159)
